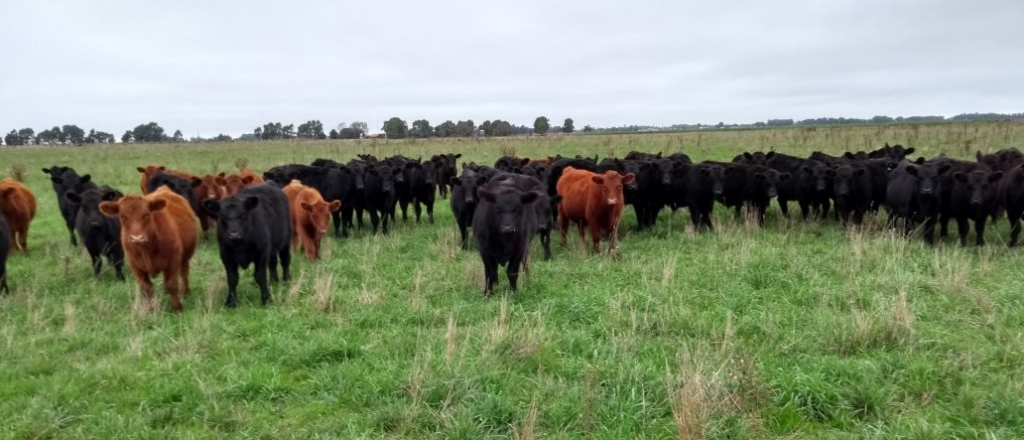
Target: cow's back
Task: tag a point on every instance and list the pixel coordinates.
(574, 187)
(276, 214)
(20, 206)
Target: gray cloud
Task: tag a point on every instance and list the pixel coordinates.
(227, 66)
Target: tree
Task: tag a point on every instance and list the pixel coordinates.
(333, 134)
(486, 127)
(258, 133)
(127, 137)
(288, 131)
(222, 138)
(446, 129)
(567, 126)
(541, 125)
(151, 132)
(312, 130)
(178, 137)
(497, 127)
(587, 129)
(465, 128)
(396, 128)
(27, 136)
(12, 139)
(361, 126)
(74, 134)
(350, 133)
(421, 129)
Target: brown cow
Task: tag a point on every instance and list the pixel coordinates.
(590, 199)
(311, 216)
(159, 234)
(149, 170)
(235, 182)
(206, 188)
(18, 206)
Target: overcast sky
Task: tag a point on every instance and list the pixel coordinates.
(214, 66)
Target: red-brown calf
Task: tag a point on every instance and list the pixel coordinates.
(311, 216)
(159, 235)
(18, 206)
(590, 199)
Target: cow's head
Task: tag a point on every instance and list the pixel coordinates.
(611, 185)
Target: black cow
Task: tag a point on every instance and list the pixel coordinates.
(423, 187)
(851, 191)
(5, 247)
(1011, 195)
(503, 226)
(752, 186)
(253, 227)
(446, 170)
(541, 208)
(704, 184)
(913, 195)
(974, 198)
(639, 155)
(64, 180)
(785, 164)
(1002, 160)
(379, 197)
(464, 201)
(510, 163)
(895, 153)
(814, 190)
(178, 185)
(100, 234)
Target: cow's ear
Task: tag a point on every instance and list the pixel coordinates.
(659, 155)
(859, 172)
(141, 170)
(524, 161)
(759, 176)
(978, 156)
(705, 172)
(222, 174)
(485, 195)
(72, 197)
(920, 161)
(396, 171)
(306, 206)
(334, 205)
(161, 168)
(528, 197)
(960, 177)
(197, 182)
(849, 155)
(806, 169)
(770, 155)
(785, 176)
(748, 156)
(556, 199)
(458, 155)
(211, 206)
(219, 180)
(112, 195)
(995, 177)
(944, 168)
(156, 205)
(85, 179)
(830, 172)
(455, 181)
(598, 180)
(628, 178)
(109, 209)
(729, 170)
(7, 192)
(908, 151)
(677, 165)
(46, 170)
(248, 180)
(251, 202)
(912, 170)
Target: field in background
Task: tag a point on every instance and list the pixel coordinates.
(799, 330)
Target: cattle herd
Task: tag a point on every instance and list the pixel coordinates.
(260, 219)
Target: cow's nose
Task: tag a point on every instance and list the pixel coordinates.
(137, 238)
(613, 201)
(234, 235)
(507, 229)
(323, 231)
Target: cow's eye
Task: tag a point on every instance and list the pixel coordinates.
(145, 218)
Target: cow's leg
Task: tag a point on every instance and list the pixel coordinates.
(465, 237)
(695, 217)
(417, 209)
(430, 210)
(336, 220)
(23, 240)
(260, 274)
(929, 230)
(784, 207)
(405, 207)
(490, 275)
(231, 268)
(595, 236)
(71, 231)
(545, 241)
(285, 257)
(944, 220)
(172, 287)
(563, 227)
(805, 209)
(375, 220)
(97, 262)
(359, 217)
(116, 261)
(979, 229)
(384, 221)
(346, 221)
(310, 247)
(145, 286)
(1014, 219)
(962, 228)
(513, 269)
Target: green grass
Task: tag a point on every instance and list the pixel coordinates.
(794, 331)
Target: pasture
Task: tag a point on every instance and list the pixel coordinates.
(796, 330)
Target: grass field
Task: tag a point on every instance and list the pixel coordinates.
(794, 331)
